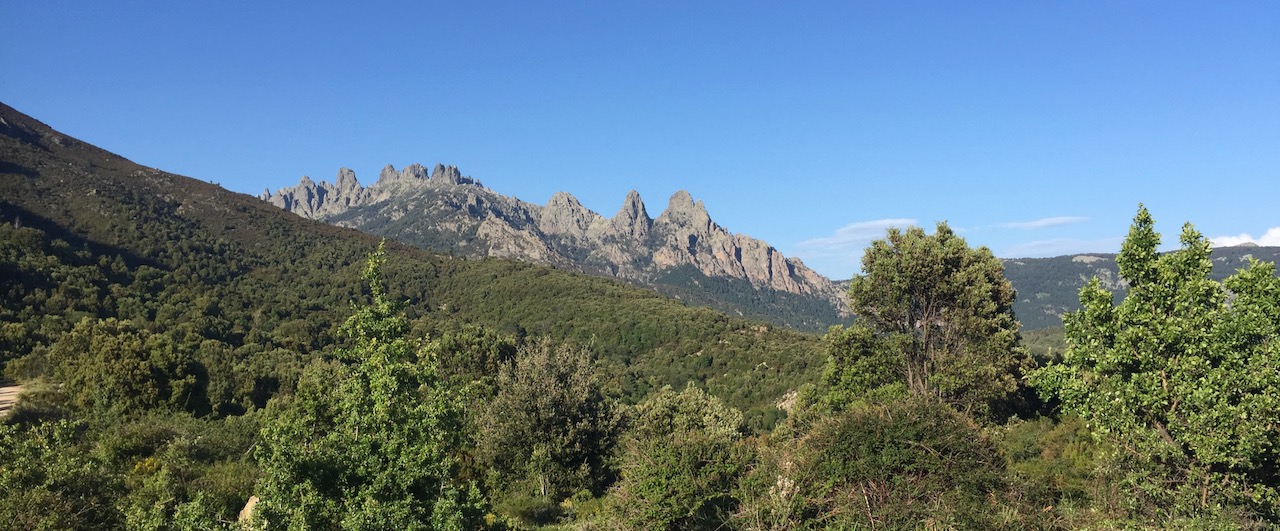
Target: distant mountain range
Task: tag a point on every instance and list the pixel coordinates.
(682, 252)
(1050, 287)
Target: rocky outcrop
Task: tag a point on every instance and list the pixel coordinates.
(632, 220)
(451, 212)
(564, 216)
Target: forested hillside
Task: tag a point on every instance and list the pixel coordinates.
(1048, 288)
(95, 235)
(192, 358)
(155, 291)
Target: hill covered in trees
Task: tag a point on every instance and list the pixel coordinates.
(151, 291)
(99, 236)
(1048, 288)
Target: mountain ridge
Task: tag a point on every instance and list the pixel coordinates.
(1050, 287)
(445, 211)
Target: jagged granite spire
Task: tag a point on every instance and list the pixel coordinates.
(450, 212)
(683, 211)
(632, 220)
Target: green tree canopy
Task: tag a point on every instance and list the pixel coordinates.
(370, 445)
(113, 365)
(550, 429)
(1182, 375)
(946, 312)
(680, 463)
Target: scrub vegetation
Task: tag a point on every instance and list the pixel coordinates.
(184, 351)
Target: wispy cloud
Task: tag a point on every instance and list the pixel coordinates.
(1044, 222)
(1271, 238)
(854, 236)
(838, 255)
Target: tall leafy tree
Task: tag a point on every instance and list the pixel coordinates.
(946, 311)
(370, 444)
(1183, 376)
(550, 428)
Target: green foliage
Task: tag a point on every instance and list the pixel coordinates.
(684, 482)
(381, 451)
(903, 464)
(1054, 465)
(49, 481)
(666, 413)
(680, 463)
(644, 340)
(947, 311)
(1045, 344)
(113, 365)
(809, 313)
(1181, 377)
(861, 366)
(550, 429)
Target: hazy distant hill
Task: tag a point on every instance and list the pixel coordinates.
(1049, 287)
(682, 252)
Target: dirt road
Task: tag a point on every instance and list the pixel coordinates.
(8, 397)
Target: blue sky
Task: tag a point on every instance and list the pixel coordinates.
(1034, 128)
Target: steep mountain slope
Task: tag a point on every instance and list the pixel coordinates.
(682, 252)
(1050, 287)
(89, 234)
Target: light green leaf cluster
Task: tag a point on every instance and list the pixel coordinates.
(1183, 375)
(680, 463)
(377, 452)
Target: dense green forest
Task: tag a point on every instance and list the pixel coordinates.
(184, 351)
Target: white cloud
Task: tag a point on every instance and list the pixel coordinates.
(839, 255)
(1271, 238)
(1044, 222)
(851, 237)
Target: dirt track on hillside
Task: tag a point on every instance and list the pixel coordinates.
(8, 397)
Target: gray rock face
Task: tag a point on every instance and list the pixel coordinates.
(632, 220)
(451, 212)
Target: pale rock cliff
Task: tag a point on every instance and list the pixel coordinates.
(448, 211)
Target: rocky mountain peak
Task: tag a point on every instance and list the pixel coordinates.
(451, 175)
(565, 215)
(388, 175)
(450, 207)
(684, 213)
(564, 200)
(415, 172)
(347, 181)
(632, 220)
